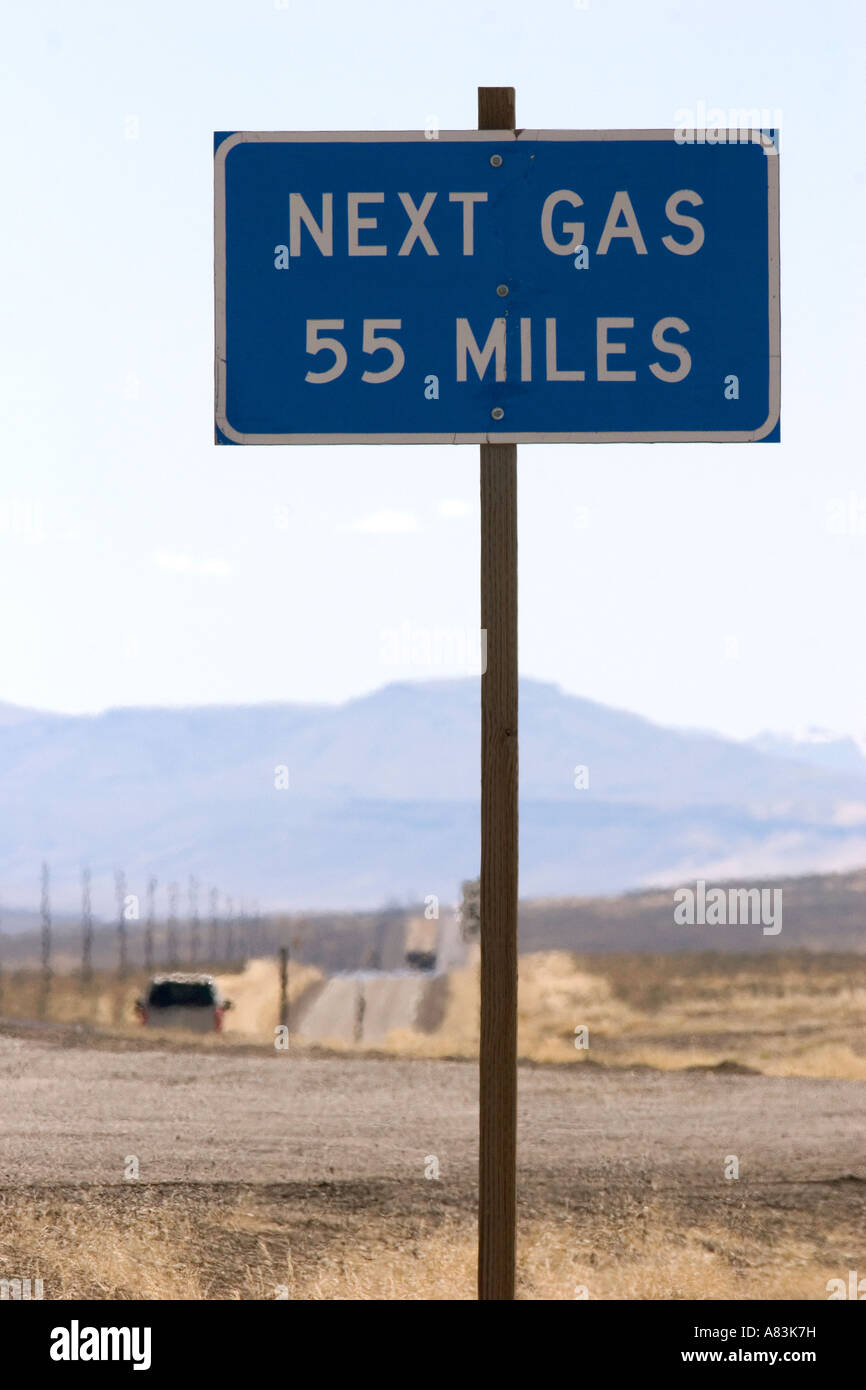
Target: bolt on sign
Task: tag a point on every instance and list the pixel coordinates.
(496, 287)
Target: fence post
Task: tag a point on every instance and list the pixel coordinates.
(193, 919)
(86, 929)
(45, 944)
(120, 894)
(284, 986)
(230, 930)
(214, 925)
(171, 928)
(149, 924)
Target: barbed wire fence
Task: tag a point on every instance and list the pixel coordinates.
(229, 933)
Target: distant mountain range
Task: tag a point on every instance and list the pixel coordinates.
(382, 802)
(818, 747)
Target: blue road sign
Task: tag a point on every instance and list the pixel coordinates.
(496, 286)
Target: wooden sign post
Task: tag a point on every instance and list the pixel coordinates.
(693, 357)
(497, 1157)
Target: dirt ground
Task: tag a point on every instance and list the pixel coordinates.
(265, 1175)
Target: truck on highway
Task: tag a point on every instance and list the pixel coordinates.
(183, 1001)
(420, 943)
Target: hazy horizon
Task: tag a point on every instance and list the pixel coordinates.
(799, 732)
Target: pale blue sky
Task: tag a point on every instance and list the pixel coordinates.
(141, 565)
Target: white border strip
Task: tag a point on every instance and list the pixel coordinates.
(756, 137)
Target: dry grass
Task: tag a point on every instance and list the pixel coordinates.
(255, 995)
(190, 1244)
(106, 1002)
(81, 1249)
(782, 1014)
(794, 1015)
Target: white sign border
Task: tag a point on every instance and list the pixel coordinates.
(497, 137)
